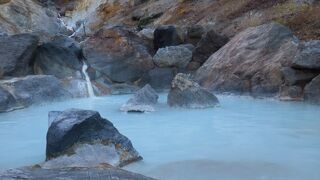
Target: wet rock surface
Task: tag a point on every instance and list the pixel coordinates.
(82, 138)
(186, 93)
(97, 173)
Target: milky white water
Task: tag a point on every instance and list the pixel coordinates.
(243, 139)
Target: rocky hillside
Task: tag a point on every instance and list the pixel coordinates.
(261, 48)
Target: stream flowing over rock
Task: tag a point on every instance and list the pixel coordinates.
(82, 138)
(188, 94)
(142, 100)
(251, 62)
(34, 89)
(16, 53)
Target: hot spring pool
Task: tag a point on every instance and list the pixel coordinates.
(245, 138)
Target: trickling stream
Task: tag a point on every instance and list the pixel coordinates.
(89, 84)
(243, 139)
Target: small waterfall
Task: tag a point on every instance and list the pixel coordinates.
(89, 85)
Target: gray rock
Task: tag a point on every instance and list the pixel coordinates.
(166, 35)
(312, 91)
(159, 78)
(142, 101)
(291, 93)
(7, 101)
(188, 94)
(76, 87)
(173, 56)
(16, 53)
(147, 33)
(97, 173)
(60, 57)
(308, 55)
(82, 138)
(209, 44)
(251, 62)
(35, 89)
(118, 53)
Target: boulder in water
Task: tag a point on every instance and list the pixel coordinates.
(188, 94)
(308, 56)
(82, 138)
(104, 172)
(35, 89)
(142, 101)
(7, 101)
(312, 91)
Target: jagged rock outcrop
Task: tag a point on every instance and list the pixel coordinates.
(60, 57)
(117, 55)
(27, 16)
(173, 56)
(103, 172)
(34, 89)
(16, 53)
(142, 101)
(82, 138)
(188, 94)
(251, 62)
(209, 44)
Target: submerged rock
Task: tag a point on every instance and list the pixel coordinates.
(16, 53)
(188, 94)
(35, 89)
(60, 57)
(142, 101)
(173, 56)
(251, 62)
(97, 173)
(82, 138)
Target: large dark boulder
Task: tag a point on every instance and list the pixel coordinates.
(16, 53)
(61, 57)
(35, 89)
(312, 91)
(142, 100)
(166, 35)
(298, 76)
(251, 62)
(308, 56)
(82, 138)
(118, 54)
(97, 173)
(209, 44)
(188, 94)
(7, 101)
